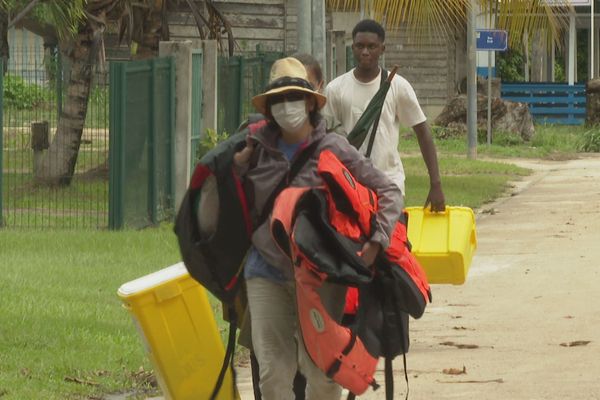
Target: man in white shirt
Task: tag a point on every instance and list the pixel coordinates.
(349, 94)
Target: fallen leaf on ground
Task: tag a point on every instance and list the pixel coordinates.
(25, 372)
(460, 346)
(80, 381)
(144, 378)
(499, 380)
(455, 371)
(459, 328)
(576, 343)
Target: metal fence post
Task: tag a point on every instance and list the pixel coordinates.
(172, 116)
(59, 82)
(241, 92)
(152, 147)
(1, 141)
(117, 93)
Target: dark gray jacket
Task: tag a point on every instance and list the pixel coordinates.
(270, 166)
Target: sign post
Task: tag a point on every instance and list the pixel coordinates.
(490, 40)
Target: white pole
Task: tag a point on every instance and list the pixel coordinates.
(572, 48)
(592, 34)
(305, 26)
(489, 99)
(471, 85)
(318, 33)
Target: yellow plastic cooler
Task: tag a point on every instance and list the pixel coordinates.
(443, 242)
(177, 325)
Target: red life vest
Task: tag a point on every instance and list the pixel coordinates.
(321, 229)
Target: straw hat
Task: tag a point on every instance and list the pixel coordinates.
(287, 75)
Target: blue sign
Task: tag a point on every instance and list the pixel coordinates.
(491, 39)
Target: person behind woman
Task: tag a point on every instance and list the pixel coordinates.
(292, 108)
(313, 70)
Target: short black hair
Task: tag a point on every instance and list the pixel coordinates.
(369, 25)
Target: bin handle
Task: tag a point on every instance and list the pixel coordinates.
(427, 210)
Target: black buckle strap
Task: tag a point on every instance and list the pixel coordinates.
(228, 359)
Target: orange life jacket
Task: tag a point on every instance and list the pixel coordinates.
(321, 229)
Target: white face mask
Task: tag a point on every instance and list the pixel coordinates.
(290, 115)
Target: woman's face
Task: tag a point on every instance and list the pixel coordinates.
(291, 110)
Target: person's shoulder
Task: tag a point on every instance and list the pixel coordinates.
(339, 81)
(400, 82)
(335, 142)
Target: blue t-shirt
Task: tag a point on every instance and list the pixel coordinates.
(256, 266)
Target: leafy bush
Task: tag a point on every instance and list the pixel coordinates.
(507, 139)
(99, 95)
(510, 66)
(210, 140)
(590, 141)
(21, 94)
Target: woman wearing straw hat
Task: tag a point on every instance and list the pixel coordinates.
(291, 141)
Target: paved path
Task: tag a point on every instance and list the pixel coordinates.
(534, 284)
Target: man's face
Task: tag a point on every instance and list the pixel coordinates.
(367, 47)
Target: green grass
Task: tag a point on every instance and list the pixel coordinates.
(60, 317)
(548, 142)
(84, 203)
(470, 183)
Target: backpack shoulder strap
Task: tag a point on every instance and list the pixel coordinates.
(297, 165)
(228, 359)
(384, 75)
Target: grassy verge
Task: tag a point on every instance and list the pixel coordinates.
(554, 142)
(64, 332)
(470, 183)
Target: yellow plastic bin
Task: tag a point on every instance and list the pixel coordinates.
(177, 325)
(443, 242)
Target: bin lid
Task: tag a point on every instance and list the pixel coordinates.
(152, 280)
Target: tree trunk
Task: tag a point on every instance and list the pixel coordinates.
(58, 164)
(593, 103)
(151, 27)
(4, 50)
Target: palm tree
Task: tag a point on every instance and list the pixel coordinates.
(78, 27)
(449, 16)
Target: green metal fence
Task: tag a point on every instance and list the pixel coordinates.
(1, 145)
(142, 108)
(239, 79)
(32, 96)
(196, 134)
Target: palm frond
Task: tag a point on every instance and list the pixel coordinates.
(65, 15)
(444, 17)
(519, 16)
